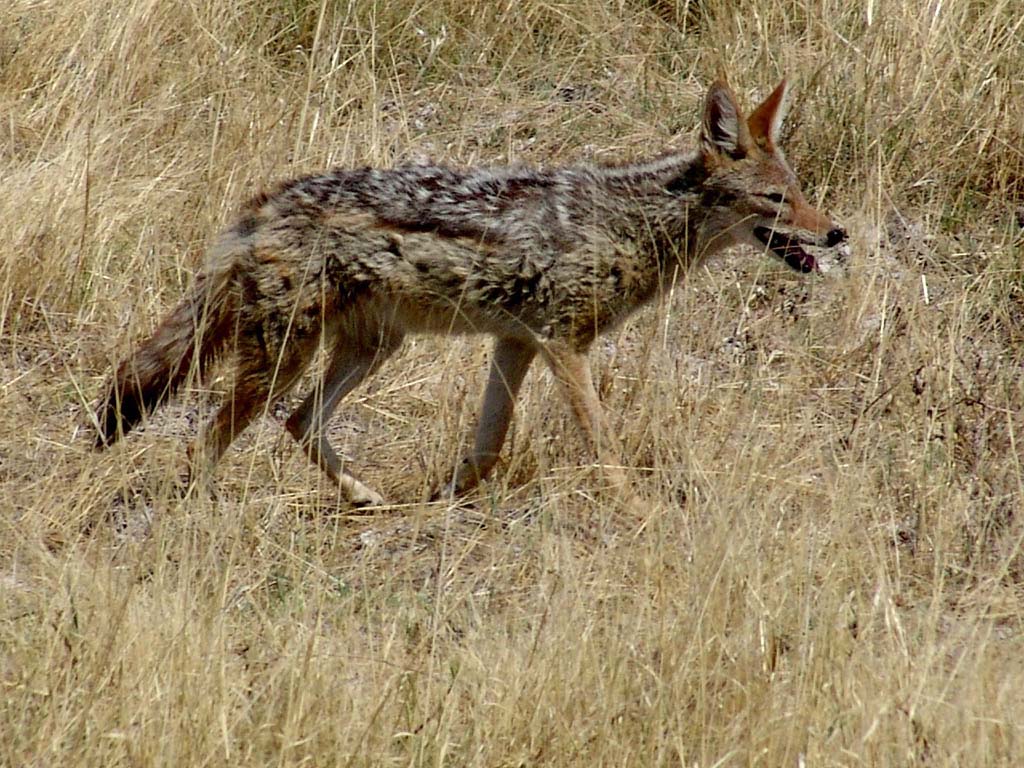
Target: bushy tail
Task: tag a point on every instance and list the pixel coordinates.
(193, 334)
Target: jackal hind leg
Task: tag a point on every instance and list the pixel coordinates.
(353, 359)
(259, 381)
(572, 370)
(509, 364)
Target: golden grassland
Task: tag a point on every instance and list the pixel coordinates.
(830, 572)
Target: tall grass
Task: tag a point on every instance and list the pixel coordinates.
(830, 571)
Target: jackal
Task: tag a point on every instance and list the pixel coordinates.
(544, 260)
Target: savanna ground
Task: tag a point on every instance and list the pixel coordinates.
(830, 571)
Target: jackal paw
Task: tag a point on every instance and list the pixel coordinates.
(458, 486)
(466, 477)
(445, 492)
(362, 497)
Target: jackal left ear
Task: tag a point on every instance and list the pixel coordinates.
(723, 131)
(765, 121)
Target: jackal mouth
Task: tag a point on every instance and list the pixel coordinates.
(787, 248)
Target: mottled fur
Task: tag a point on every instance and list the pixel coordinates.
(544, 260)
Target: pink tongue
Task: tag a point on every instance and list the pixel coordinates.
(801, 261)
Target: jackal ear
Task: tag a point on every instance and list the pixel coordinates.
(764, 123)
(723, 131)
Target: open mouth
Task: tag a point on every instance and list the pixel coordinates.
(788, 249)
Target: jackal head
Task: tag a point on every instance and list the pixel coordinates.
(752, 194)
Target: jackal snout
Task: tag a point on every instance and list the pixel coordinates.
(786, 242)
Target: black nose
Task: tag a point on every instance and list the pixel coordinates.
(835, 236)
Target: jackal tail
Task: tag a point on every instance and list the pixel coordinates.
(191, 336)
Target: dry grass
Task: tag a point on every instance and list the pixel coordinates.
(831, 569)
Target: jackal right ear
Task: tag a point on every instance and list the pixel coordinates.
(723, 131)
(765, 122)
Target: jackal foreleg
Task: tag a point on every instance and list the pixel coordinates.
(572, 370)
(511, 360)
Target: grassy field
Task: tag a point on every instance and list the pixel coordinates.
(831, 570)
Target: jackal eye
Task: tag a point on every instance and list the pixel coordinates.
(776, 197)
